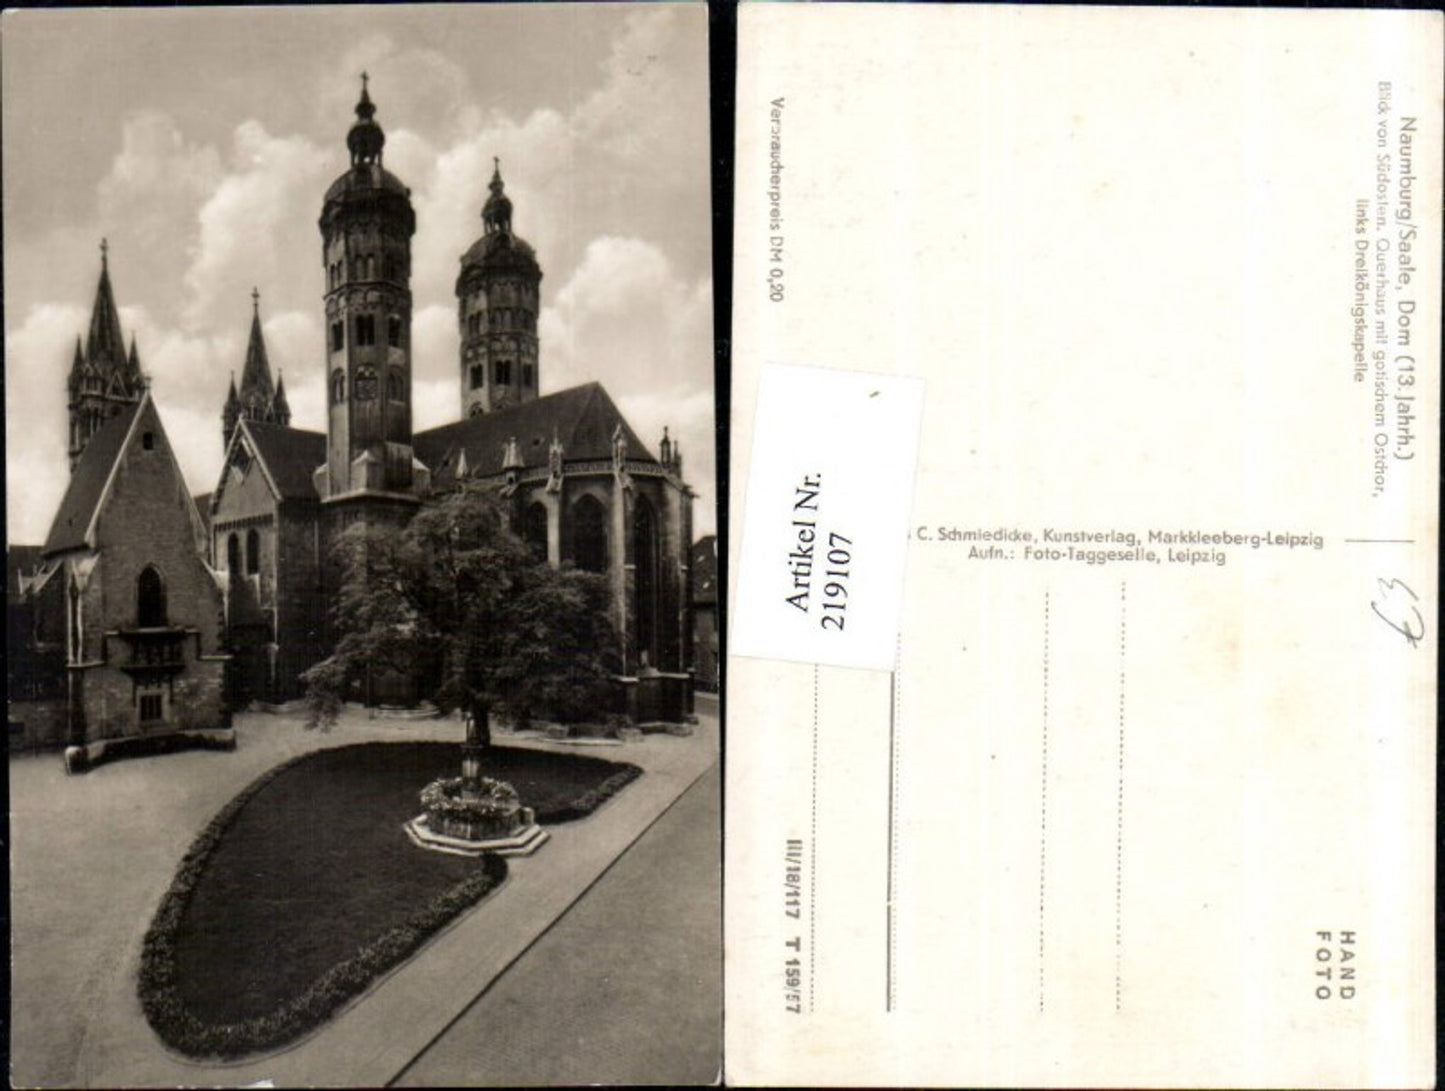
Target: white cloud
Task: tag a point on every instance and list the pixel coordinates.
(611, 193)
(271, 190)
(626, 317)
(37, 363)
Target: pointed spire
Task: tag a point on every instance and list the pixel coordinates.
(132, 368)
(105, 345)
(230, 414)
(77, 367)
(280, 407)
(257, 390)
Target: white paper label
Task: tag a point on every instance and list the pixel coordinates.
(826, 525)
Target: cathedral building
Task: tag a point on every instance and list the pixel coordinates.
(578, 482)
(148, 615)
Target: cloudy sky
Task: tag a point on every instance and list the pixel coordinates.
(199, 142)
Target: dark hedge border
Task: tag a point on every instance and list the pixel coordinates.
(593, 798)
(182, 1031)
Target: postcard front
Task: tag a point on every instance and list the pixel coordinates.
(1147, 796)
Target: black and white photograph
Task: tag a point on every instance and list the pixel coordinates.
(361, 567)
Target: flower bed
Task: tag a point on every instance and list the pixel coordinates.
(304, 889)
(475, 811)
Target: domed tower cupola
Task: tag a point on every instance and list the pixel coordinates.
(498, 293)
(366, 138)
(497, 212)
(367, 222)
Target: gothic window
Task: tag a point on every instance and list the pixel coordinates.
(589, 535)
(338, 386)
(395, 386)
(233, 553)
(479, 376)
(338, 336)
(74, 622)
(253, 552)
(534, 529)
(365, 329)
(504, 372)
(645, 558)
(152, 707)
(527, 375)
(393, 331)
(474, 324)
(150, 599)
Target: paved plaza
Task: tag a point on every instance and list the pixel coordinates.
(92, 855)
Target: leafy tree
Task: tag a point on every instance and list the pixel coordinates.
(457, 598)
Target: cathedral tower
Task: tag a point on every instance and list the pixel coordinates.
(257, 399)
(366, 227)
(497, 302)
(104, 378)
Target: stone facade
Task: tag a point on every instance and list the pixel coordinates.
(577, 481)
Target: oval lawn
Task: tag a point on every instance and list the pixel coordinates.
(305, 888)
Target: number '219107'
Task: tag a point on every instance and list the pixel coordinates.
(835, 591)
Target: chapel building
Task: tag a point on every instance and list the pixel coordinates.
(117, 622)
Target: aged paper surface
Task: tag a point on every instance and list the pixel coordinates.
(1148, 798)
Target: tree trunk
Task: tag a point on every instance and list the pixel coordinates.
(479, 724)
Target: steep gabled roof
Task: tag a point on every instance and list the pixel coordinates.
(88, 481)
(582, 417)
(289, 455)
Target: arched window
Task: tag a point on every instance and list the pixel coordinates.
(645, 559)
(479, 376)
(233, 553)
(338, 386)
(393, 331)
(503, 372)
(150, 599)
(253, 552)
(395, 386)
(534, 529)
(589, 534)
